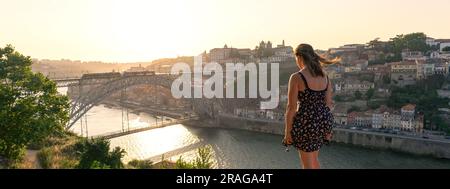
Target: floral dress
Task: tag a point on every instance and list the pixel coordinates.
(313, 120)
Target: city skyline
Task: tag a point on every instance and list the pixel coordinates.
(137, 31)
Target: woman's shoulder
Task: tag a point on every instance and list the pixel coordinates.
(295, 77)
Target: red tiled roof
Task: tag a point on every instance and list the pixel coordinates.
(409, 107)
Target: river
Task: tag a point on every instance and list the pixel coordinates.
(237, 148)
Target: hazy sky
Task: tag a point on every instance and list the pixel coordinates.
(142, 30)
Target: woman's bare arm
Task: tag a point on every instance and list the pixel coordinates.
(291, 102)
(329, 95)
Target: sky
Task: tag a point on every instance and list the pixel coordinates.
(143, 30)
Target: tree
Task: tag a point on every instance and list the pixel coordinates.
(370, 93)
(386, 80)
(358, 95)
(31, 108)
(372, 44)
(95, 153)
(338, 98)
(354, 109)
(446, 49)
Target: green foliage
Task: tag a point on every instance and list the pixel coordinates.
(367, 77)
(95, 154)
(31, 109)
(394, 58)
(354, 109)
(446, 49)
(46, 158)
(182, 164)
(423, 94)
(386, 80)
(370, 93)
(358, 95)
(141, 164)
(412, 41)
(375, 104)
(338, 98)
(99, 165)
(202, 161)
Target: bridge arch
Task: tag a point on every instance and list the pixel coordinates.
(84, 102)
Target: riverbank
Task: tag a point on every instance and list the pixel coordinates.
(136, 108)
(381, 141)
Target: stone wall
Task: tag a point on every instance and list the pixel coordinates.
(419, 146)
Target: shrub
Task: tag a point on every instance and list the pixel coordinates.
(141, 164)
(94, 153)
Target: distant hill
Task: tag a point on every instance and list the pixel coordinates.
(68, 68)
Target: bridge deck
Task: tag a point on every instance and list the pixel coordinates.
(120, 133)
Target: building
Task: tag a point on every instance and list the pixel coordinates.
(407, 117)
(378, 117)
(280, 54)
(435, 55)
(371, 55)
(445, 56)
(403, 73)
(408, 111)
(352, 69)
(283, 51)
(361, 63)
(136, 69)
(413, 55)
(246, 54)
(360, 119)
(379, 71)
(220, 55)
(431, 42)
(350, 86)
(441, 69)
(377, 120)
(391, 120)
(332, 74)
(351, 118)
(363, 119)
(340, 114)
(347, 48)
(428, 70)
(419, 123)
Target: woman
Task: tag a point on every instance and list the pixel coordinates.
(309, 127)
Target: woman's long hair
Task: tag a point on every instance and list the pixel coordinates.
(312, 60)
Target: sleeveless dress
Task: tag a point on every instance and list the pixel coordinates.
(313, 120)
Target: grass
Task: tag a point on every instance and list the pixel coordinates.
(202, 161)
(59, 153)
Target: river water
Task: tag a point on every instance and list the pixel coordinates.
(236, 148)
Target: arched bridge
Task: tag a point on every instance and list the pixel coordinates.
(87, 99)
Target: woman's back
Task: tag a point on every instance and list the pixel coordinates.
(312, 98)
(318, 83)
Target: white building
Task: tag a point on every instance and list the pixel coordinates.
(377, 120)
(441, 69)
(351, 86)
(431, 41)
